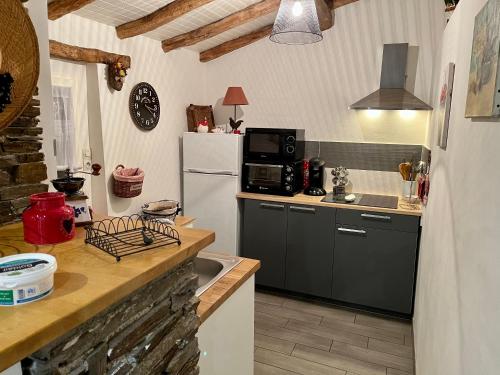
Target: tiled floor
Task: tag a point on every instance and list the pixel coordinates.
(296, 337)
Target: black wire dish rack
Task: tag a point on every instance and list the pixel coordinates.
(127, 235)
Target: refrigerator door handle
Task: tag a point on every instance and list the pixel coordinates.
(212, 171)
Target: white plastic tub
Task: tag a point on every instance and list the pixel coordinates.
(26, 278)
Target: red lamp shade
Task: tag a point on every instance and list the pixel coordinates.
(235, 96)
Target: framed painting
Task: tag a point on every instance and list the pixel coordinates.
(445, 97)
(483, 97)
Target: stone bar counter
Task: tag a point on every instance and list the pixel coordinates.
(136, 316)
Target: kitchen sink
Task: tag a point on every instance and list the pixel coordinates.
(210, 267)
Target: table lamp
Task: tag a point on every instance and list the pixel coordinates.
(235, 96)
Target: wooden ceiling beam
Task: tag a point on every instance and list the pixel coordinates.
(158, 18)
(244, 40)
(325, 14)
(59, 8)
(86, 55)
(238, 18)
(341, 3)
(234, 44)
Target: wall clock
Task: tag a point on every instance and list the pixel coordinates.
(144, 106)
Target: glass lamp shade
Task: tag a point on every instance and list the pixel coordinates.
(296, 23)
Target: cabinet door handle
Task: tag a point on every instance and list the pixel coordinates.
(352, 231)
(272, 206)
(376, 217)
(267, 165)
(309, 210)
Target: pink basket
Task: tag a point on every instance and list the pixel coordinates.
(127, 182)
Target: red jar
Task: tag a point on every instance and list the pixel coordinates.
(48, 220)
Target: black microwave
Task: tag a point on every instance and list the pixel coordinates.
(276, 179)
(273, 145)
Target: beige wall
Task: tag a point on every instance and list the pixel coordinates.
(307, 86)
(458, 301)
(178, 79)
(312, 86)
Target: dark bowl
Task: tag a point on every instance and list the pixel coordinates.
(68, 185)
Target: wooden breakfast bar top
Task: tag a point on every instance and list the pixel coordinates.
(87, 281)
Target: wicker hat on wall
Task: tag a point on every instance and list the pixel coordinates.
(19, 57)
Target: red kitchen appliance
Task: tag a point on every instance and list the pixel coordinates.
(48, 220)
(305, 166)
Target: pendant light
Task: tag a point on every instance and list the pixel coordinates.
(296, 23)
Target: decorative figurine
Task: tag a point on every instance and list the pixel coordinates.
(235, 125)
(116, 75)
(339, 180)
(450, 5)
(203, 126)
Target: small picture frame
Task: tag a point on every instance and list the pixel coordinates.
(444, 110)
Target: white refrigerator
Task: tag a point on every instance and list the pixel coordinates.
(211, 180)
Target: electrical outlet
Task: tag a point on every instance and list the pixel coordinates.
(87, 160)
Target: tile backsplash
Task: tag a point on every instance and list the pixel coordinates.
(365, 156)
(373, 167)
(369, 182)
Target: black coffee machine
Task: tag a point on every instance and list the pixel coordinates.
(316, 177)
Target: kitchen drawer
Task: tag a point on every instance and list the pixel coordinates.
(375, 268)
(378, 220)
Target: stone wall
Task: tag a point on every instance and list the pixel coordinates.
(21, 163)
(152, 331)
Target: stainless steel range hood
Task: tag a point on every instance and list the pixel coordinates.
(392, 94)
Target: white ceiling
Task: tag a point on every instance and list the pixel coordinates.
(117, 12)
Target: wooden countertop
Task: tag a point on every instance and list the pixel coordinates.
(404, 208)
(218, 293)
(86, 282)
(181, 221)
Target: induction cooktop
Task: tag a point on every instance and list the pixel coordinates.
(381, 201)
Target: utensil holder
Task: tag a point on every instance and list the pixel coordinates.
(409, 190)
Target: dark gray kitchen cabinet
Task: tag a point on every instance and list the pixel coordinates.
(264, 238)
(365, 258)
(375, 267)
(309, 257)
